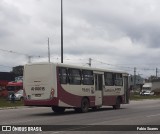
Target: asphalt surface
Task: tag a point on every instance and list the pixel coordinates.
(146, 112)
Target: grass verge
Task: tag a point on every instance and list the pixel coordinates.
(5, 103)
(139, 97)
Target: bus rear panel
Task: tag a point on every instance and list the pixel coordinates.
(40, 85)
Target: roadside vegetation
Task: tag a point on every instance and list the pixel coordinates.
(137, 96)
(6, 103)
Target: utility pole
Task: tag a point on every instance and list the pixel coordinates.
(61, 31)
(90, 60)
(29, 58)
(48, 51)
(134, 77)
(156, 72)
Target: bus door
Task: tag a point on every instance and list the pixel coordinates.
(98, 89)
(126, 90)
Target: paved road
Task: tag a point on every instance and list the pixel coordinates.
(145, 112)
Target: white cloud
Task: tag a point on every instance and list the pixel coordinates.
(119, 32)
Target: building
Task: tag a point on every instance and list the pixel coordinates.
(136, 82)
(156, 86)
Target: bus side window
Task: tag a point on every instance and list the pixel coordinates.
(87, 77)
(109, 79)
(74, 76)
(63, 75)
(118, 79)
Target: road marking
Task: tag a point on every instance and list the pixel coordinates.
(153, 115)
(57, 132)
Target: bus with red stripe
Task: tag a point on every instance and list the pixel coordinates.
(62, 86)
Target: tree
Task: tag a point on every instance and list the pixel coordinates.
(18, 70)
(152, 77)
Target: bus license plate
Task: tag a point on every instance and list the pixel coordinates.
(38, 95)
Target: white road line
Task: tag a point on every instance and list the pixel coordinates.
(153, 115)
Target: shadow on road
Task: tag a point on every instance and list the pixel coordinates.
(72, 112)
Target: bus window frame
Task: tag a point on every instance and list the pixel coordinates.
(119, 79)
(87, 79)
(63, 77)
(74, 79)
(110, 79)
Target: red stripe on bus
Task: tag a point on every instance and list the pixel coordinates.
(52, 102)
(72, 99)
(69, 98)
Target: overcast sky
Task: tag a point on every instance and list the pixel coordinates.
(116, 34)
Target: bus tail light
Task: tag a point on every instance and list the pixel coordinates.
(52, 93)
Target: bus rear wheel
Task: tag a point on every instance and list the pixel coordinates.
(58, 110)
(84, 105)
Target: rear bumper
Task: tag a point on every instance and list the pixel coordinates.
(50, 102)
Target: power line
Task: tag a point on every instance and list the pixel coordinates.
(10, 51)
(127, 67)
(113, 64)
(28, 56)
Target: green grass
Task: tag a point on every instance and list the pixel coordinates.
(138, 97)
(5, 103)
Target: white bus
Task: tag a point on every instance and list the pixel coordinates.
(61, 86)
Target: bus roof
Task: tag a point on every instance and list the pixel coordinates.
(79, 67)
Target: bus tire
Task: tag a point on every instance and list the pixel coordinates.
(84, 105)
(118, 104)
(58, 110)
